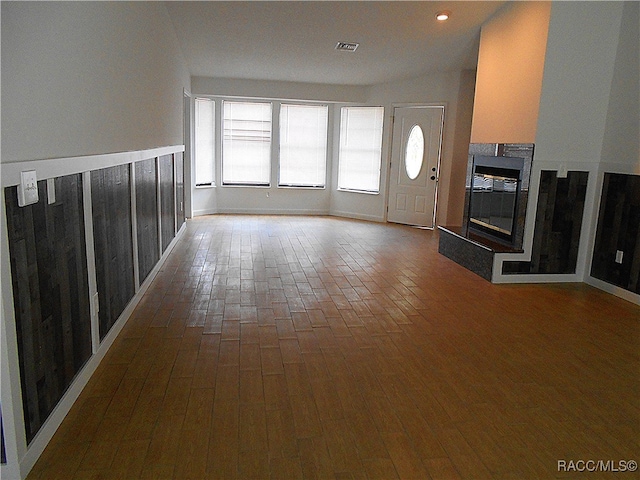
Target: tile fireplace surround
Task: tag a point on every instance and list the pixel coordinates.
(475, 250)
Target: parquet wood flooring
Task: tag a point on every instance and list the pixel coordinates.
(319, 347)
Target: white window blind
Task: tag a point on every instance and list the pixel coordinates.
(360, 148)
(204, 140)
(303, 145)
(246, 144)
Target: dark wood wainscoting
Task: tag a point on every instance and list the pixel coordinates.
(147, 216)
(112, 227)
(167, 201)
(3, 451)
(558, 224)
(618, 230)
(51, 294)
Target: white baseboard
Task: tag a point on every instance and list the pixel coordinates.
(205, 211)
(274, 211)
(500, 278)
(288, 211)
(613, 289)
(358, 216)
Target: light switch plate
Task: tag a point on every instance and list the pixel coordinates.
(619, 255)
(562, 171)
(28, 188)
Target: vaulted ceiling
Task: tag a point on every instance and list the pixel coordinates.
(295, 40)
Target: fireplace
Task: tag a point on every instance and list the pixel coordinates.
(494, 196)
(497, 190)
(495, 207)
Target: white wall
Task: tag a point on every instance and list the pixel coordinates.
(553, 62)
(621, 142)
(578, 72)
(282, 90)
(510, 69)
(84, 78)
(457, 183)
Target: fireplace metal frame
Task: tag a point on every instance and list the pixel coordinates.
(512, 156)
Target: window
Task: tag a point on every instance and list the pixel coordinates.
(414, 152)
(204, 140)
(246, 144)
(360, 148)
(303, 145)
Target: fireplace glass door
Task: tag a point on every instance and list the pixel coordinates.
(493, 203)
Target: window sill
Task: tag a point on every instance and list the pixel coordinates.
(365, 192)
(244, 185)
(302, 187)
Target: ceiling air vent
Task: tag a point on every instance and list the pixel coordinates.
(347, 46)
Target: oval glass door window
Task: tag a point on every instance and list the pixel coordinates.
(414, 153)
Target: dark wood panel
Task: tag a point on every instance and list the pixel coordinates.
(51, 294)
(113, 243)
(618, 230)
(556, 238)
(179, 159)
(3, 451)
(167, 201)
(147, 216)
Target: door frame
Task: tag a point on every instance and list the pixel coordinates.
(444, 106)
(188, 119)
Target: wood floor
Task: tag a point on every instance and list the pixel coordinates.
(297, 347)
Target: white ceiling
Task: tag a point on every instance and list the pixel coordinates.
(295, 40)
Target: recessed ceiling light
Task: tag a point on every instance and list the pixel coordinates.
(347, 46)
(442, 16)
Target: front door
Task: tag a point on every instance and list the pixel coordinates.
(415, 162)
